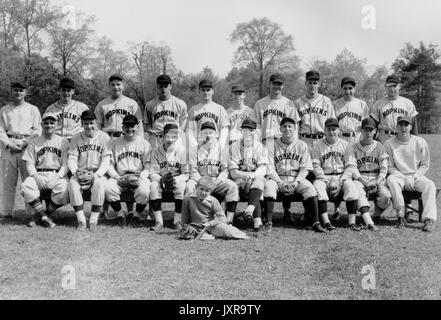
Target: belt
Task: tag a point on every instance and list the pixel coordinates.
(18, 136)
(333, 174)
(391, 133)
(370, 171)
(116, 134)
(349, 134)
(47, 170)
(313, 136)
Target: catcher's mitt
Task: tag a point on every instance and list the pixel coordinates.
(289, 188)
(129, 181)
(191, 231)
(85, 178)
(167, 182)
(334, 187)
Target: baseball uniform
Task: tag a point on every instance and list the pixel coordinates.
(313, 114)
(408, 164)
(158, 113)
(17, 125)
(349, 115)
(386, 113)
(110, 113)
(237, 116)
(211, 112)
(129, 157)
(69, 117)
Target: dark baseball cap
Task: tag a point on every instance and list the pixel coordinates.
(277, 77)
(237, 88)
(312, 75)
(368, 123)
(67, 83)
(130, 119)
(287, 119)
(170, 126)
(404, 119)
(88, 115)
(163, 79)
(19, 84)
(349, 80)
(393, 78)
(249, 124)
(331, 122)
(205, 83)
(208, 125)
(116, 76)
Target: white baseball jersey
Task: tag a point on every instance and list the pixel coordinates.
(19, 120)
(268, 113)
(368, 161)
(172, 160)
(89, 151)
(158, 113)
(45, 153)
(237, 116)
(313, 113)
(248, 158)
(110, 113)
(330, 157)
(130, 156)
(350, 114)
(210, 161)
(68, 117)
(386, 112)
(209, 112)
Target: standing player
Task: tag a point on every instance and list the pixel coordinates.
(163, 109)
(409, 161)
(111, 111)
(169, 172)
(248, 168)
(366, 164)
(237, 113)
(387, 110)
(68, 111)
(46, 167)
(19, 122)
(287, 175)
(88, 150)
(328, 160)
(350, 111)
(130, 156)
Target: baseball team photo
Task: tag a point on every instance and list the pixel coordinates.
(192, 150)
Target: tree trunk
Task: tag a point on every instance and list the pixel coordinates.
(261, 84)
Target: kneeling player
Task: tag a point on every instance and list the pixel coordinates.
(212, 160)
(202, 209)
(170, 173)
(88, 160)
(129, 170)
(248, 168)
(287, 175)
(366, 163)
(47, 168)
(328, 160)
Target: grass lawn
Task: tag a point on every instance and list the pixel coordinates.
(291, 263)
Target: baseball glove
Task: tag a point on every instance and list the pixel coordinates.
(129, 181)
(167, 182)
(191, 231)
(289, 188)
(85, 178)
(334, 187)
(371, 190)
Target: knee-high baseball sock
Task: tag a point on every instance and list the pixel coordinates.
(51, 207)
(37, 206)
(311, 207)
(253, 200)
(155, 205)
(81, 218)
(158, 217)
(116, 206)
(140, 207)
(286, 204)
(129, 206)
(231, 210)
(269, 209)
(257, 213)
(178, 209)
(94, 214)
(365, 214)
(351, 207)
(323, 211)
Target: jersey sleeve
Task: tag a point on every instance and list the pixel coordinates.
(375, 112)
(294, 113)
(331, 108)
(29, 153)
(261, 154)
(315, 153)
(99, 113)
(36, 123)
(412, 110)
(224, 118)
(234, 157)
(183, 115)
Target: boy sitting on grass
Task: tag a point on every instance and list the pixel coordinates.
(202, 209)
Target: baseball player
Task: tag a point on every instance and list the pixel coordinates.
(208, 110)
(289, 167)
(202, 209)
(328, 160)
(387, 110)
(19, 122)
(237, 113)
(163, 109)
(68, 111)
(88, 150)
(248, 168)
(409, 161)
(211, 161)
(130, 155)
(46, 167)
(111, 111)
(366, 164)
(350, 111)
(169, 172)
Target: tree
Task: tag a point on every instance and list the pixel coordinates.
(9, 28)
(262, 45)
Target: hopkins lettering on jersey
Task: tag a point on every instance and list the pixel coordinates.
(367, 159)
(247, 162)
(69, 115)
(334, 154)
(207, 115)
(129, 154)
(49, 149)
(165, 113)
(90, 147)
(288, 156)
(121, 112)
(275, 112)
(238, 116)
(349, 114)
(310, 110)
(208, 162)
(395, 110)
(166, 164)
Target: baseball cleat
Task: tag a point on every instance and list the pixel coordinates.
(31, 224)
(248, 218)
(401, 222)
(336, 216)
(81, 227)
(177, 226)
(120, 221)
(157, 227)
(135, 222)
(317, 227)
(329, 226)
(354, 227)
(47, 222)
(376, 219)
(429, 225)
(92, 227)
(372, 227)
(128, 218)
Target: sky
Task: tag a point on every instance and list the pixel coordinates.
(198, 31)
